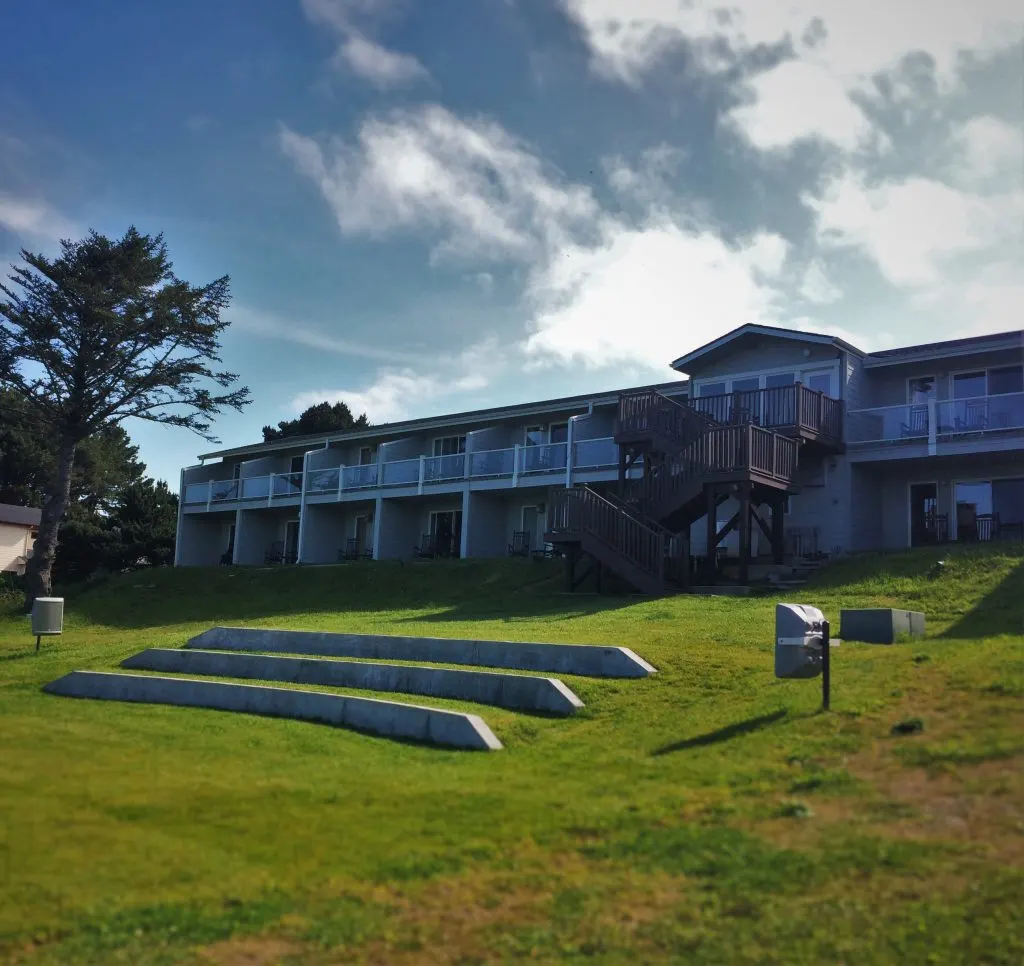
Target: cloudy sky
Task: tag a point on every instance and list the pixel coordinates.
(427, 207)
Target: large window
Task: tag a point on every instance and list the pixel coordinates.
(920, 389)
(984, 508)
(988, 382)
(449, 445)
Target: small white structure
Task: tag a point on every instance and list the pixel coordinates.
(18, 526)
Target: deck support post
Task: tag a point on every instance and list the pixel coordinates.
(712, 538)
(744, 527)
(778, 532)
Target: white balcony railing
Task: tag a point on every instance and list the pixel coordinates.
(512, 464)
(936, 419)
(494, 463)
(595, 453)
(438, 468)
(545, 458)
(400, 473)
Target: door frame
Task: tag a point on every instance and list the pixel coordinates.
(910, 506)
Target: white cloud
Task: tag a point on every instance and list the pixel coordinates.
(817, 287)
(356, 51)
(268, 326)
(839, 45)
(990, 149)
(648, 294)
(398, 393)
(34, 220)
(914, 227)
(470, 185)
(381, 67)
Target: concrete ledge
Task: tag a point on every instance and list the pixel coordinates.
(586, 660)
(880, 625)
(389, 718)
(516, 691)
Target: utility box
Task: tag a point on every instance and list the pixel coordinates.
(47, 616)
(799, 633)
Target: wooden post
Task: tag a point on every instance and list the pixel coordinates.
(712, 541)
(778, 533)
(744, 533)
(622, 470)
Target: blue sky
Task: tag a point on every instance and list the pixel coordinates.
(432, 207)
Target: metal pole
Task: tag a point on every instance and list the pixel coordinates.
(826, 665)
(39, 637)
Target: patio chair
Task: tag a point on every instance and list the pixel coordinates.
(350, 551)
(275, 554)
(427, 549)
(520, 545)
(917, 423)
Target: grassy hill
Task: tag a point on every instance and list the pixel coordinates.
(708, 814)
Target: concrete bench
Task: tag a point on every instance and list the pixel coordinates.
(880, 625)
(588, 660)
(519, 692)
(389, 718)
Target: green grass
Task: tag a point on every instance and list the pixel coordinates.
(708, 814)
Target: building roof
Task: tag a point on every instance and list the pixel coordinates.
(542, 407)
(723, 343)
(996, 342)
(25, 516)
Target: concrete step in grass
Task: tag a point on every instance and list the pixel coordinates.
(586, 660)
(517, 692)
(390, 719)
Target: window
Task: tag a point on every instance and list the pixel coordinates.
(920, 389)
(1005, 379)
(969, 385)
(446, 530)
(297, 464)
(236, 471)
(713, 389)
(820, 382)
(535, 436)
(779, 379)
(559, 432)
(449, 445)
(367, 455)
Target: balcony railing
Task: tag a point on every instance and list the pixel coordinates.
(595, 454)
(780, 408)
(512, 464)
(545, 458)
(936, 419)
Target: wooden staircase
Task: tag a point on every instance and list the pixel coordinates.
(679, 462)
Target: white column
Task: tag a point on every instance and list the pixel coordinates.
(270, 489)
(234, 545)
(181, 510)
(209, 494)
(932, 413)
(302, 508)
(569, 444)
(341, 481)
(515, 465)
(464, 536)
(423, 465)
(378, 506)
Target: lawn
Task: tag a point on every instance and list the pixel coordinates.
(707, 814)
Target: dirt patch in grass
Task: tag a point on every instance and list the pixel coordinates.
(251, 951)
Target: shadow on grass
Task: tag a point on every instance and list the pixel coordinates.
(1001, 611)
(442, 591)
(723, 734)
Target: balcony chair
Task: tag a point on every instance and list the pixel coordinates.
(917, 424)
(427, 549)
(520, 545)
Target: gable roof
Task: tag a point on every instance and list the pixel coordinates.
(25, 516)
(706, 352)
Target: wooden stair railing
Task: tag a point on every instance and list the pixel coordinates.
(651, 413)
(580, 511)
(721, 452)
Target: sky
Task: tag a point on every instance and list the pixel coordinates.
(430, 207)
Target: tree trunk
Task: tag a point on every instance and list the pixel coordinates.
(40, 566)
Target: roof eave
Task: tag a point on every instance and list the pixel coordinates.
(754, 328)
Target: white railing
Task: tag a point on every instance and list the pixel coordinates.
(545, 458)
(595, 453)
(287, 484)
(400, 473)
(451, 467)
(256, 488)
(511, 463)
(197, 493)
(492, 463)
(323, 481)
(936, 419)
(359, 477)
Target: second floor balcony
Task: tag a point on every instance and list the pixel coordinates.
(936, 421)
